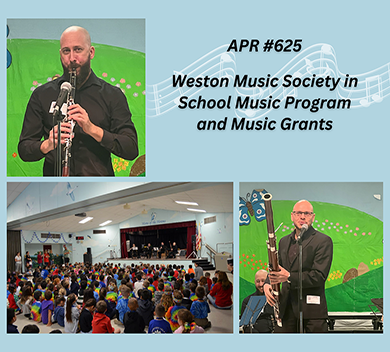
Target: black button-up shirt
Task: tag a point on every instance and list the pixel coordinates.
(107, 108)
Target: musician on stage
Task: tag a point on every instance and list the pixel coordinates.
(149, 251)
(128, 249)
(173, 252)
(317, 251)
(102, 116)
(265, 321)
(134, 252)
(162, 249)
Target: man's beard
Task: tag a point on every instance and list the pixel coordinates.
(81, 75)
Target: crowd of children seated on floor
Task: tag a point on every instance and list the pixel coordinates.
(144, 298)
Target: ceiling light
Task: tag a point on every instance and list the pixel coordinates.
(144, 212)
(186, 203)
(126, 206)
(105, 223)
(198, 210)
(89, 218)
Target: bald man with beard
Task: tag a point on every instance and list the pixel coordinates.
(264, 323)
(317, 249)
(100, 110)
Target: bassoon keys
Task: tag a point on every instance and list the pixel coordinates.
(68, 141)
(273, 258)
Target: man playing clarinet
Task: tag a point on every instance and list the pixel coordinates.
(100, 110)
(317, 249)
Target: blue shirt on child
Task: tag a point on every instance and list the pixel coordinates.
(122, 308)
(59, 315)
(200, 310)
(159, 326)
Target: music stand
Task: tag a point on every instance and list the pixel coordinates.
(252, 311)
(193, 252)
(57, 118)
(378, 303)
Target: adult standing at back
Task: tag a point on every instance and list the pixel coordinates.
(198, 272)
(18, 263)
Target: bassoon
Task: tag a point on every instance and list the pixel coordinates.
(273, 258)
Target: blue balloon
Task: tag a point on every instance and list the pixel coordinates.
(9, 59)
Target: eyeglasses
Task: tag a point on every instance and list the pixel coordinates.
(305, 213)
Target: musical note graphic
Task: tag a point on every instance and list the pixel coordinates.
(217, 63)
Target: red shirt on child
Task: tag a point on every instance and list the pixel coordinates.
(101, 324)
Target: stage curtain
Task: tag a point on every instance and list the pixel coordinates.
(123, 245)
(160, 227)
(13, 247)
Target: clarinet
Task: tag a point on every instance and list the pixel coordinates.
(68, 141)
(273, 258)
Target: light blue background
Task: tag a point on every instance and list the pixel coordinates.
(177, 34)
(104, 31)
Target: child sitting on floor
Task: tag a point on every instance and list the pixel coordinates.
(72, 314)
(59, 312)
(11, 318)
(11, 297)
(203, 282)
(193, 286)
(122, 305)
(186, 302)
(167, 299)
(47, 308)
(171, 314)
(133, 322)
(36, 307)
(26, 301)
(200, 309)
(86, 316)
(187, 324)
(101, 323)
(145, 306)
(159, 293)
(159, 325)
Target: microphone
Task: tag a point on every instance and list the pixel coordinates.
(66, 87)
(304, 228)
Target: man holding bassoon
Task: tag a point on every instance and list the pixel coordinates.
(317, 253)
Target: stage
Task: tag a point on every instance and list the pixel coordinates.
(153, 261)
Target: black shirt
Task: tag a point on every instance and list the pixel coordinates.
(85, 320)
(293, 249)
(293, 246)
(133, 322)
(107, 108)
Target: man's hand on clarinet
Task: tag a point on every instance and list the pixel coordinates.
(78, 114)
(48, 145)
